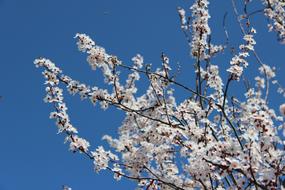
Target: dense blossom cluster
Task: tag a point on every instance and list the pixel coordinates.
(210, 140)
(200, 46)
(201, 29)
(276, 13)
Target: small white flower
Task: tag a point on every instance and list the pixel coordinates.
(182, 16)
(65, 187)
(282, 109)
(84, 42)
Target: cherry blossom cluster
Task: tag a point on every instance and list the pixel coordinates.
(200, 46)
(213, 139)
(55, 96)
(183, 18)
(276, 13)
(200, 28)
(214, 81)
(268, 75)
(238, 62)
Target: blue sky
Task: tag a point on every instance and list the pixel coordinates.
(32, 155)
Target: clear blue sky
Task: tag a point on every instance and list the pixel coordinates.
(32, 155)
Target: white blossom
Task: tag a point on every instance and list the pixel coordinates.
(84, 42)
(282, 109)
(182, 16)
(65, 187)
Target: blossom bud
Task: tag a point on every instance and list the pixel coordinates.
(282, 109)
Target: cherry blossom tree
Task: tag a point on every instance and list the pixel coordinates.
(210, 140)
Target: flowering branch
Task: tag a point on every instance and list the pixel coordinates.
(210, 140)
